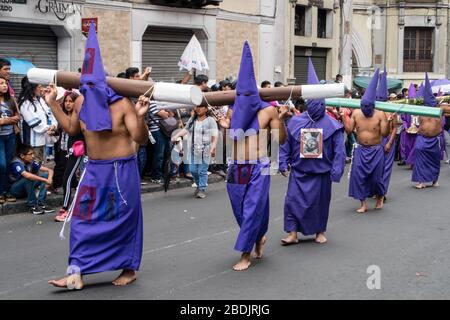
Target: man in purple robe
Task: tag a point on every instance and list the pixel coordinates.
(388, 142)
(427, 159)
(106, 229)
(407, 135)
(308, 197)
(248, 179)
(367, 168)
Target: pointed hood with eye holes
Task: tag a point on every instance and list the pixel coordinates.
(315, 107)
(428, 97)
(382, 91)
(244, 121)
(96, 92)
(368, 100)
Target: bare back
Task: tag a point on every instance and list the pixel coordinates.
(430, 127)
(255, 146)
(369, 131)
(116, 143)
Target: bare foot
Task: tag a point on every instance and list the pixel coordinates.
(380, 203)
(243, 263)
(320, 238)
(290, 239)
(435, 184)
(259, 247)
(363, 209)
(74, 281)
(420, 186)
(126, 277)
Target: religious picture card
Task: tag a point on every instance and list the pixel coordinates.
(311, 143)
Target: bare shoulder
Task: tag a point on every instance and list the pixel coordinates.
(357, 113)
(270, 111)
(123, 105)
(380, 114)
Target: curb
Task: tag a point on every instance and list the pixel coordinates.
(55, 201)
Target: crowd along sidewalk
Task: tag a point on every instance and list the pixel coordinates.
(55, 200)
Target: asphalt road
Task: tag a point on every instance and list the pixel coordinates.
(188, 250)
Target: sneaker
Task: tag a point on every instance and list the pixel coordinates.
(401, 163)
(36, 210)
(2, 199)
(61, 216)
(221, 173)
(10, 198)
(194, 185)
(196, 192)
(46, 209)
(201, 195)
(447, 161)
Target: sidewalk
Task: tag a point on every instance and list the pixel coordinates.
(55, 200)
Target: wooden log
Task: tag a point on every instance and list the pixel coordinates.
(435, 112)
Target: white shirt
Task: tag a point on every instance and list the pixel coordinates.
(35, 123)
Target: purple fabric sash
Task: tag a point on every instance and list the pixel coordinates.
(248, 189)
(366, 177)
(106, 228)
(427, 164)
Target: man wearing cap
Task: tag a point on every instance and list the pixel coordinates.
(307, 202)
(366, 177)
(248, 179)
(106, 215)
(427, 150)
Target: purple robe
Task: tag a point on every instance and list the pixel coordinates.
(308, 197)
(427, 163)
(106, 228)
(388, 163)
(407, 141)
(248, 187)
(366, 178)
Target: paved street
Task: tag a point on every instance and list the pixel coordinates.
(188, 250)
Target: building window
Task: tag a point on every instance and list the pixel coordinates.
(417, 52)
(300, 21)
(321, 23)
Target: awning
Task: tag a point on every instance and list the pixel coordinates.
(20, 66)
(363, 82)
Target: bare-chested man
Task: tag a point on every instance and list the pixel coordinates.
(388, 142)
(427, 157)
(106, 228)
(366, 178)
(248, 180)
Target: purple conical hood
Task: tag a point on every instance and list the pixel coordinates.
(428, 97)
(247, 104)
(312, 76)
(315, 107)
(382, 91)
(419, 93)
(97, 94)
(368, 100)
(411, 91)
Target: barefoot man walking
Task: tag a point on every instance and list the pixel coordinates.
(367, 168)
(248, 179)
(106, 229)
(427, 160)
(307, 203)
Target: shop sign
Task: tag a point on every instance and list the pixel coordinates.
(86, 24)
(59, 8)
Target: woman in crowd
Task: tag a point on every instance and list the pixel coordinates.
(38, 122)
(9, 118)
(72, 146)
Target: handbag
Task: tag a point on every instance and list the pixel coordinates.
(78, 148)
(167, 126)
